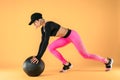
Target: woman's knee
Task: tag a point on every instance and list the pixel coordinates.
(51, 48)
(85, 55)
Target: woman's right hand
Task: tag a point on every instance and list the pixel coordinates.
(34, 60)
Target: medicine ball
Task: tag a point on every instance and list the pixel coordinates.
(33, 69)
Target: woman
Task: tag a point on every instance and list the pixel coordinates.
(67, 36)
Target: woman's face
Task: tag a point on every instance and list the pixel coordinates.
(38, 23)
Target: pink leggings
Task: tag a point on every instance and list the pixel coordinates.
(76, 40)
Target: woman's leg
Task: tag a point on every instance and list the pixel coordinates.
(57, 44)
(76, 40)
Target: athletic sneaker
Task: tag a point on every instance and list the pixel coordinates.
(66, 67)
(109, 64)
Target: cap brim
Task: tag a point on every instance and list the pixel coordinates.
(31, 22)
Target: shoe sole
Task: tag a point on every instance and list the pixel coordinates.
(67, 69)
(108, 69)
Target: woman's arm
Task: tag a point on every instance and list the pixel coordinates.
(44, 42)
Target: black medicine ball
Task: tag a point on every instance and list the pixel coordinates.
(33, 69)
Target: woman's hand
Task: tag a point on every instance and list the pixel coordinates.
(34, 60)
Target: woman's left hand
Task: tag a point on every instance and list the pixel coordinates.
(34, 60)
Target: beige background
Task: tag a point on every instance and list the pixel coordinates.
(97, 22)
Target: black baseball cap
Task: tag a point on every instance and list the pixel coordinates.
(35, 16)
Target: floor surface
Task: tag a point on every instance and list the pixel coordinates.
(84, 73)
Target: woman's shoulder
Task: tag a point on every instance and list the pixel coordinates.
(50, 22)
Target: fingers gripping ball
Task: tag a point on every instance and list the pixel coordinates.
(32, 69)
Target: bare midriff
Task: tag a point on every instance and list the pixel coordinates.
(62, 32)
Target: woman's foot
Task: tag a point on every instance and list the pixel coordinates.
(66, 67)
(109, 64)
